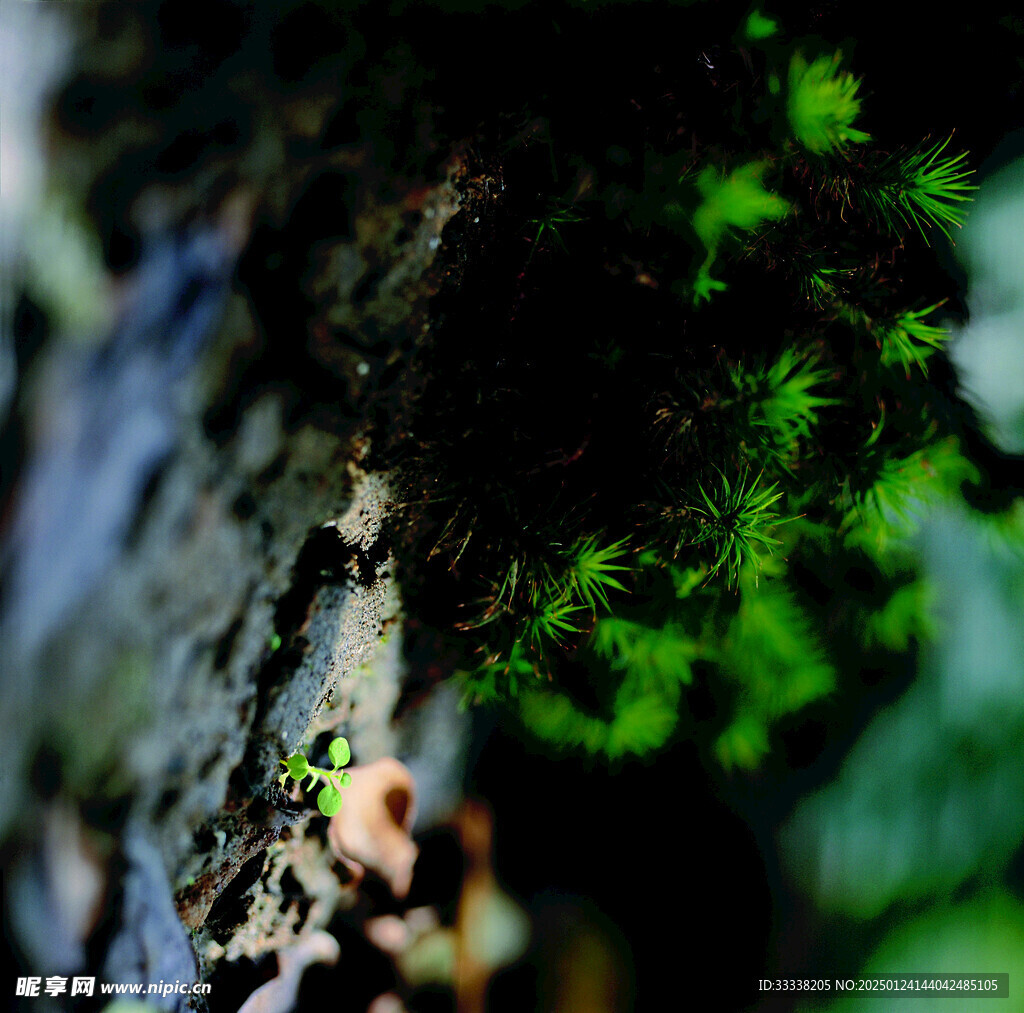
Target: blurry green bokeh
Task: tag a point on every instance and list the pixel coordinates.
(989, 351)
(919, 832)
(933, 793)
(985, 936)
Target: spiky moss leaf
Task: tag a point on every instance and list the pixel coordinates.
(918, 187)
(909, 340)
(823, 104)
(779, 399)
(557, 213)
(591, 568)
(937, 188)
(819, 284)
(735, 522)
(551, 623)
(500, 675)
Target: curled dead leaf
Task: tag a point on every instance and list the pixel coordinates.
(373, 829)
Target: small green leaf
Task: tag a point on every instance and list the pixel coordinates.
(329, 800)
(346, 779)
(339, 752)
(314, 777)
(298, 766)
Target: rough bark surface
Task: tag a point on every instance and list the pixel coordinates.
(192, 548)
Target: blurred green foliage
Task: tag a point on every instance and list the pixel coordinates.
(932, 795)
(758, 26)
(984, 933)
(738, 201)
(822, 104)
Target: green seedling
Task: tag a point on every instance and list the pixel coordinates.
(329, 799)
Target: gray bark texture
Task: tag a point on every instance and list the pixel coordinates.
(193, 560)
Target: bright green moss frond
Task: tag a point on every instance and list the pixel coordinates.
(779, 398)
(591, 568)
(704, 285)
(909, 341)
(823, 104)
(744, 743)
(651, 663)
(735, 521)
(938, 186)
(919, 186)
(641, 724)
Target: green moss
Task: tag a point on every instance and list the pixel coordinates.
(697, 403)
